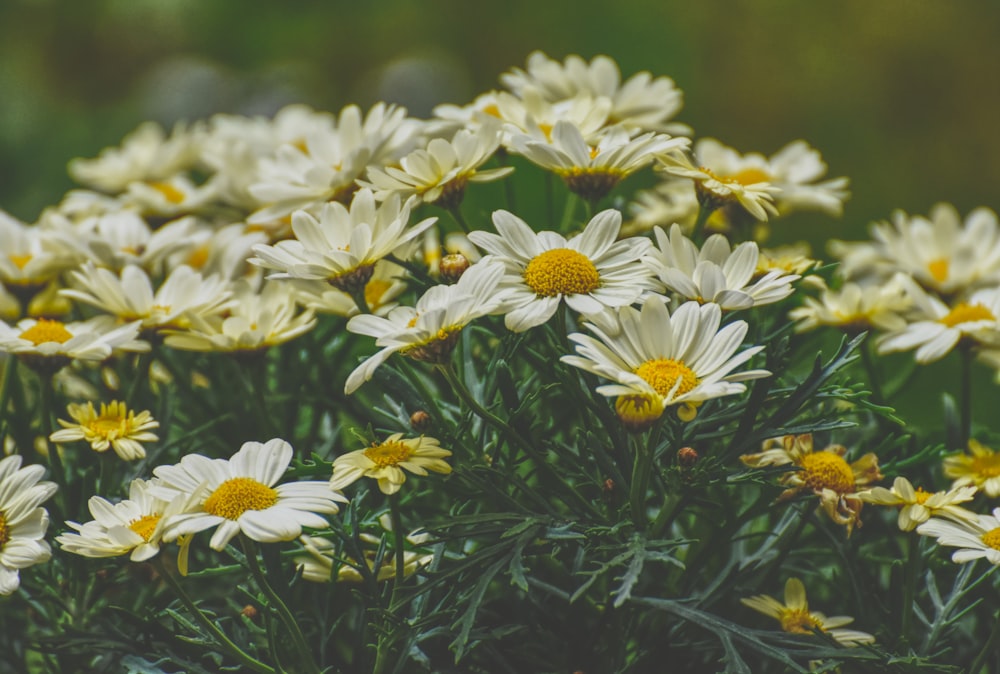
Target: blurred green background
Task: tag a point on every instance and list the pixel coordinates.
(902, 96)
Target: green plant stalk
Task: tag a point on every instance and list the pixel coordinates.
(966, 429)
(384, 649)
(224, 641)
(274, 601)
(456, 213)
(360, 301)
(989, 648)
(9, 371)
(697, 235)
(569, 210)
(466, 396)
(872, 372)
(641, 468)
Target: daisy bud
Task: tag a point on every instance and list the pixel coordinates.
(687, 457)
(420, 421)
(638, 412)
(250, 612)
(452, 267)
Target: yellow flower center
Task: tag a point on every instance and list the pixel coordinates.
(921, 496)
(547, 130)
(749, 176)
(992, 538)
(826, 470)
(561, 271)
(799, 621)
(4, 530)
(47, 331)
(938, 269)
(198, 257)
(109, 426)
(169, 192)
(964, 313)
(664, 373)
(388, 453)
(20, 261)
(145, 526)
(986, 466)
(374, 290)
(235, 496)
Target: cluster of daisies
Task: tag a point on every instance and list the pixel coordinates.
(232, 235)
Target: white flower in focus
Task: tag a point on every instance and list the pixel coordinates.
(716, 273)
(22, 522)
(50, 345)
(341, 246)
(238, 495)
(593, 170)
(977, 539)
(439, 174)
(649, 354)
(133, 526)
(429, 331)
(590, 271)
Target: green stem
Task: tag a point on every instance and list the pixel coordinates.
(568, 211)
(47, 426)
(989, 648)
(384, 647)
(9, 371)
(466, 396)
(456, 213)
(301, 646)
(641, 468)
(360, 301)
(697, 235)
(224, 641)
(966, 429)
(872, 371)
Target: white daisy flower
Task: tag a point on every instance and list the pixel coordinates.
(676, 359)
(168, 198)
(130, 295)
(917, 505)
(325, 166)
(716, 273)
(978, 538)
(133, 526)
(22, 522)
(590, 271)
(714, 190)
(115, 240)
(49, 345)
(941, 253)
(593, 170)
(429, 331)
(385, 461)
(145, 154)
(114, 427)
(641, 103)
(255, 321)
(439, 174)
(794, 170)
(30, 257)
(935, 328)
(238, 495)
(979, 468)
(221, 251)
(796, 618)
(449, 118)
(532, 116)
(341, 246)
(855, 308)
(387, 283)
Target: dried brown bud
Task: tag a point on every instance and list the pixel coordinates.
(420, 421)
(452, 267)
(250, 612)
(609, 485)
(687, 457)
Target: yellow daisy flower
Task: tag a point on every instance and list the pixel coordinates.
(795, 616)
(918, 506)
(981, 469)
(114, 427)
(386, 460)
(825, 473)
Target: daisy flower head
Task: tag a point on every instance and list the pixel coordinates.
(531, 115)
(593, 170)
(439, 174)
(640, 103)
(133, 526)
(115, 240)
(751, 192)
(129, 296)
(30, 257)
(825, 473)
(321, 557)
(979, 468)
(115, 426)
(934, 328)
(681, 359)
(941, 252)
(342, 245)
(385, 461)
(795, 616)
(241, 495)
(22, 521)
(716, 273)
(49, 345)
(255, 322)
(978, 537)
(387, 283)
(589, 272)
(917, 506)
(429, 331)
(854, 308)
